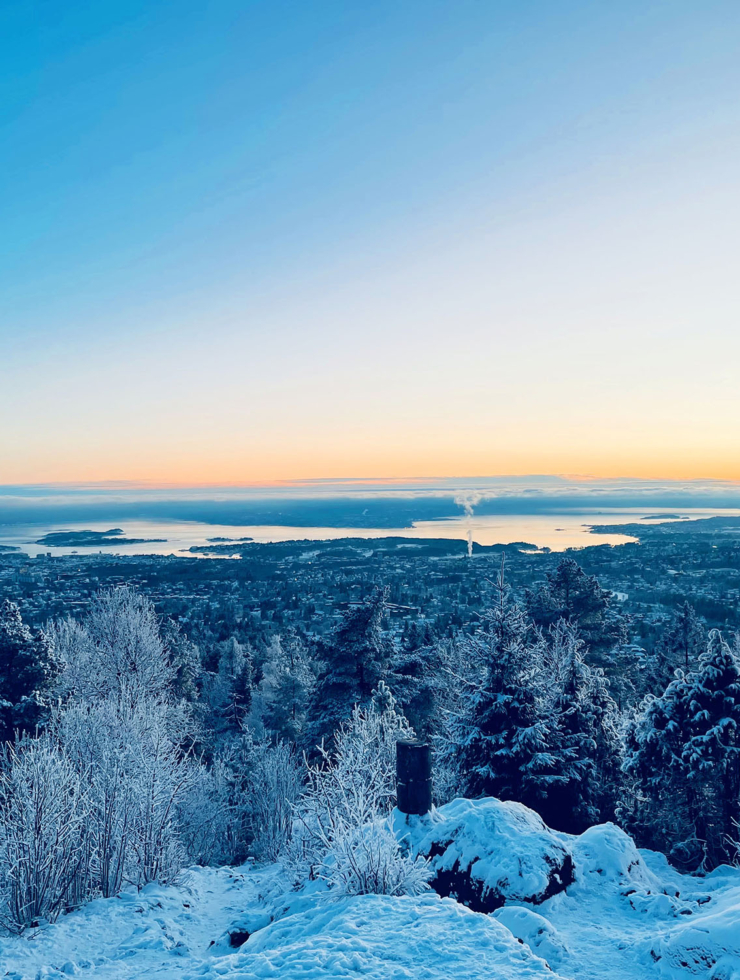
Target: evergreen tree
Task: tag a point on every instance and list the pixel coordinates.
(583, 737)
(28, 665)
(570, 594)
(684, 757)
(354, 661)
(502, 738)
(680, 645)
(419, 682)
(185, 659)
(712, 753)
(663, 810)
(285, 688)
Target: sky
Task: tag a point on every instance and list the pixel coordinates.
(245, 242)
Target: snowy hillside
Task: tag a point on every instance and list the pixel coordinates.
(626, 915)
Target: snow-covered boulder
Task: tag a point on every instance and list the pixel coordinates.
(604, 853)
(378, 938)
(533, 929)
(487, 852)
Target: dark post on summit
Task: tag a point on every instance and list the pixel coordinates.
(414, 777)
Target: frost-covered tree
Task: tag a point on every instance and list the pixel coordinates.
(28, 666)
(162, 774)
(118, 646)
(663, 808)
(712, 753)
(583, 736)
(184, 657)
(354, 660)
(680, 646)
(227, 691)
(502, 738)
(275, 786)
(684, 757)
(285, 688)
(420, 680)
(569, 593)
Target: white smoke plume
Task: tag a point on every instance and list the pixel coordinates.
(468, 500)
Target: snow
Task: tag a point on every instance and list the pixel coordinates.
(627, 915)
(505, 848)
(382, 938)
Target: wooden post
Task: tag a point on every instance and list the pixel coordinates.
(414, 777)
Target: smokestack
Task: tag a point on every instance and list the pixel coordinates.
(414, 777)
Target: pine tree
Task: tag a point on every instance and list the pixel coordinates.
(583, 741)
(570, 594)
(28, 665)
(354, 661)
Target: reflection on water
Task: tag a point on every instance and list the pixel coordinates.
(555, 531)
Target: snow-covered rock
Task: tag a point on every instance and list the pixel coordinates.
(381, 938)
(533, 929)
(605, 853)
(487, 852)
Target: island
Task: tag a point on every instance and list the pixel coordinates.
(92, 539)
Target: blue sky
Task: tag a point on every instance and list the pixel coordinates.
(253, 241)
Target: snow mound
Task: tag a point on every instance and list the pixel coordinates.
(704, 945)
(487, 852)
(534, 930)
(604, 853)
(381, 938)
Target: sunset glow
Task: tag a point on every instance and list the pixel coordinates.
(394, 242)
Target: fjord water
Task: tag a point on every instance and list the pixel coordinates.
(555, 531)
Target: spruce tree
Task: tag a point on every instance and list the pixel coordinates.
(664, 808)
(583, 739)
(418, 680)
(354, 661)
(712, 753)
(28, 666)
(285, 688)
(503, 739)
(680, 646)
(570, 594)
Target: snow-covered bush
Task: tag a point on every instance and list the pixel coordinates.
(162, 774)
(350, 791)
(128, 752)
(97, 740)
(207, 816)
(369, 860)
(276, 783)
(44, 812)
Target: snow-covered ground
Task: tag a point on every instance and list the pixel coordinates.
(626, 916)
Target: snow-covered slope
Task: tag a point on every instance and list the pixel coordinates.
(625, 916)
